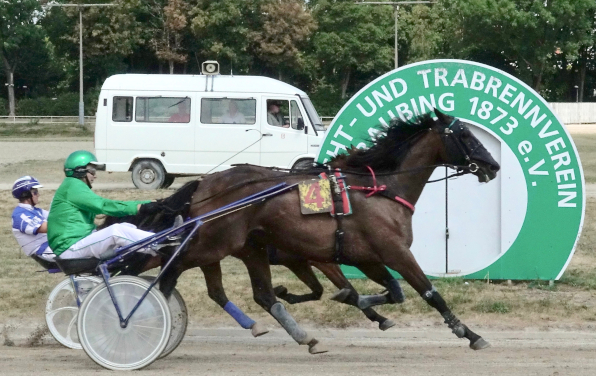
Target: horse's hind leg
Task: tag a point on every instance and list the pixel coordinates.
(335, 275)
(305, 273)
(407, 266)
(379, 274)
(259, 271)
(217, 293)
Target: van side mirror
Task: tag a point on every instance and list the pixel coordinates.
(300, 125)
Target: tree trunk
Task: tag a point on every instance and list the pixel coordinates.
(185, 66)
(171, 62)
(582, 76)
(345, 80)
(538, 80)
(9, 71)
(160, 67)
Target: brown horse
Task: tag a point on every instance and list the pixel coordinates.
(178, 204)
(377, 234)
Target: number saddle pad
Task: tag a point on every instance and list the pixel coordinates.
(316, 195)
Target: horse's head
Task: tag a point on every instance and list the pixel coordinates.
(463, 149)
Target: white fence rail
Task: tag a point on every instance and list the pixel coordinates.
(575, 113)
(89, 120)
(569, 113)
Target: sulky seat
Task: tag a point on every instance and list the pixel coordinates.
(77, 265)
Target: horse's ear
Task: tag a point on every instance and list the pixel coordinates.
(443, 118)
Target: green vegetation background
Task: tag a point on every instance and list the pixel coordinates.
(329, 48)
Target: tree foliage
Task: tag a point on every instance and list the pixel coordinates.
(329, 48)
(19, 33)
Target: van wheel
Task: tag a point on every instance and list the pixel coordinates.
(303, 164)
(148, 174)
(168, 181)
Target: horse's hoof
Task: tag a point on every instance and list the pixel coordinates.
(386, 324)
(280, 291)
(340, 295)
(258, 330)
(314, 347)
(479, 344)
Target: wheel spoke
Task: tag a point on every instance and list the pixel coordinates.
(51, 314)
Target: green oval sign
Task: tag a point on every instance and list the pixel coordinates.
(539, 227)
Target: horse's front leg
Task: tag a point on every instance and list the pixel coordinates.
(257, 263)
(216, 292)
(378, 273)
(348, 294)
(404, 263)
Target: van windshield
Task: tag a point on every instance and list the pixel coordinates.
(312, 114)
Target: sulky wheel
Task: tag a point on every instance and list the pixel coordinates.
(179, 319)
(62, 309)
(139, 343)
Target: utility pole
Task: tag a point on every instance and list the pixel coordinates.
(80, 7)
(396, 13)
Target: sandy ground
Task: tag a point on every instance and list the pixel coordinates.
(401, 351)
(432, 351)
(17, 150)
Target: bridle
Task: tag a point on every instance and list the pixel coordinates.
(455, 136)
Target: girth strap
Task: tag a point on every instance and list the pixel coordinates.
(338, 256)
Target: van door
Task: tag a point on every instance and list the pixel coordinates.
(283, 132)
(227, 133)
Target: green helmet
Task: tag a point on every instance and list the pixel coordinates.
(76, 163)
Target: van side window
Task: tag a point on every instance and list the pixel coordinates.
(122, 109)
(163, 110)
(278, 113)
(296, 119)
(228, 111)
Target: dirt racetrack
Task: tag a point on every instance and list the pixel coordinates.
(426, 351)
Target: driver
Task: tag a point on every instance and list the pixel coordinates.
(29, 224)
(71, 228)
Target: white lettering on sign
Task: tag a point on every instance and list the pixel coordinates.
(498, 104)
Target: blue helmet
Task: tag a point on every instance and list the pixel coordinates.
(22, 187)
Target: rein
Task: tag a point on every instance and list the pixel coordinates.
(461, 170)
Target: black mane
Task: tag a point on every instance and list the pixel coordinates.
(389, 146)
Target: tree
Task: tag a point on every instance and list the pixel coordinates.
(109, 35)
(352, 39)
(286, 26)
(19, 33)
(168, 24)
(526, 33)
(223, 29)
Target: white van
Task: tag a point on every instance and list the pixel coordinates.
(163, 126)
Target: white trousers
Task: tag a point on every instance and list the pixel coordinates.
(47, 254)
(99, 242)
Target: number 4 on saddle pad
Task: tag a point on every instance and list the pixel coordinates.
(315, 196)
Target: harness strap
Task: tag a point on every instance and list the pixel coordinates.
(374, 189)
(402, 201)
(338, 256)
(383, 191)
